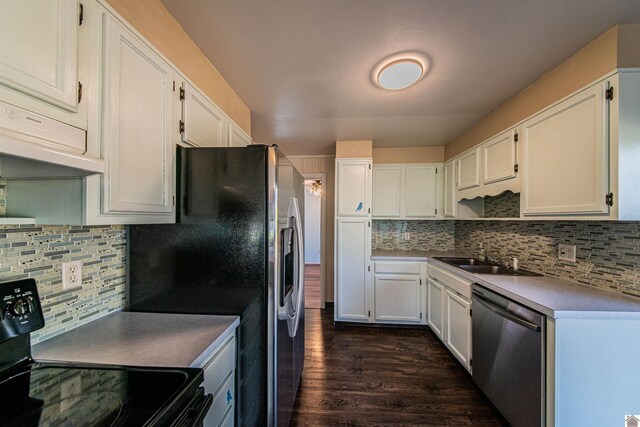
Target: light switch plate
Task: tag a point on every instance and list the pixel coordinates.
(567, 253)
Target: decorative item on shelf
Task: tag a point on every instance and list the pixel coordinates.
(315, 188)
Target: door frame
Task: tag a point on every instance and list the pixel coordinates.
(323, 215)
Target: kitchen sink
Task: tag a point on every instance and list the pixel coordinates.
(474, 265)
(464, 261)
(497, 269)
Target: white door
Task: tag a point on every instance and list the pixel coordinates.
(420, 191)
(237, 137)
(565, 160)
(468, 168)
(38, 49)
(353, 243)
(386, 191)
(450, 203)
(203, 123)
(397, 298)
(353, 190)
(435, 299)
(137, 114)
(499, 154)
(458, 327)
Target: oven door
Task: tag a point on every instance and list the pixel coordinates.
(194, 413)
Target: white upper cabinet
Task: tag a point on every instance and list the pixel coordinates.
(387, 191)
(450, 202)
(468, 169)
(137, 117)
(499, 157)
(39, 48)
(407, 191)
(238, 137)
(353, 190)
(420, 191)
(565, 157)
(203, 124)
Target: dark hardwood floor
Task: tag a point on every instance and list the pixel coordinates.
(364, 376)
(312, 286)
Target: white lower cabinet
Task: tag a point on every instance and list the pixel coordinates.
(219, 380)
(449, 313)
(399, 295)
(458, 327)
(435, 313)
(352, 276)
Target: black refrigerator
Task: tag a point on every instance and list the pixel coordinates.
(236, 248)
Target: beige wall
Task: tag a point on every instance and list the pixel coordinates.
(629, 45)
(594, 60)
(154, 21)
(354, 149)
(409, 155)
(326, 165)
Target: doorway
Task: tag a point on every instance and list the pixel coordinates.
(313, 241)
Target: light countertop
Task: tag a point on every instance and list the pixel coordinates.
(554, 297)
(140, 339)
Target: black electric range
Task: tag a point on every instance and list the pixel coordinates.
(39, 394)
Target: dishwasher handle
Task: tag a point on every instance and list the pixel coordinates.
(506, 314)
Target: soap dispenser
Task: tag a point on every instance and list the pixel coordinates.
(481, 253)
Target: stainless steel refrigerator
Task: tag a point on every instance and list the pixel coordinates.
(237, 248)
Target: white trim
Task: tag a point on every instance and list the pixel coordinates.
(314, 156)
(322, 176)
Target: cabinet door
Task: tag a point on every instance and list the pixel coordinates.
(458, 327)
(353, 250)
(565, 161)
(499, 156)
(397, 298)
(386, 191)
(353, 190)
(204, 124)
(38, 49)
(450, 203)
(468, 167)
(237, 137)
(420, 191)
(136, 116)
(435, 312)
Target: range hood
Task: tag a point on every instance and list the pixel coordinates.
(34, 146)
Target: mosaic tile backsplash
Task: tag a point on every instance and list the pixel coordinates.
(38, 252)
(505, 205)
(425, 235)
(607, 253)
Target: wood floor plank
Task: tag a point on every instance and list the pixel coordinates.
(312, 286)
(362, 376)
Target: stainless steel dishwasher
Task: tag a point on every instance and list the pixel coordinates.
(509, 356)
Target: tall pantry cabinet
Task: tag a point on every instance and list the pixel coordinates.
(353, 240)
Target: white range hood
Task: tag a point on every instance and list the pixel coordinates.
(34, 146)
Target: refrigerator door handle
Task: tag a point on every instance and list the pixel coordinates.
(299, 258)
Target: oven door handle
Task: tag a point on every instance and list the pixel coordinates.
(507, 315)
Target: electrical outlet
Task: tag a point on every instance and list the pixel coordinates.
(407, 236)
(567, 253)
(70, 392)
(71, 274)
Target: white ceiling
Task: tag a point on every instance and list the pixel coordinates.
(303, 66)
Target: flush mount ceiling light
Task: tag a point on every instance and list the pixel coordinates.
(400, 71)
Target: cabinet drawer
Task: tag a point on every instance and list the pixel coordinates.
(397, 267)
(220, 365)
(223, 402)
(452, 281)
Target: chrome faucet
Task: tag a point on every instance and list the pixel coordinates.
(514, 263)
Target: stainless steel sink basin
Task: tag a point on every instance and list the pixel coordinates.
(497, 269)
(474, 265)
(464, 261)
